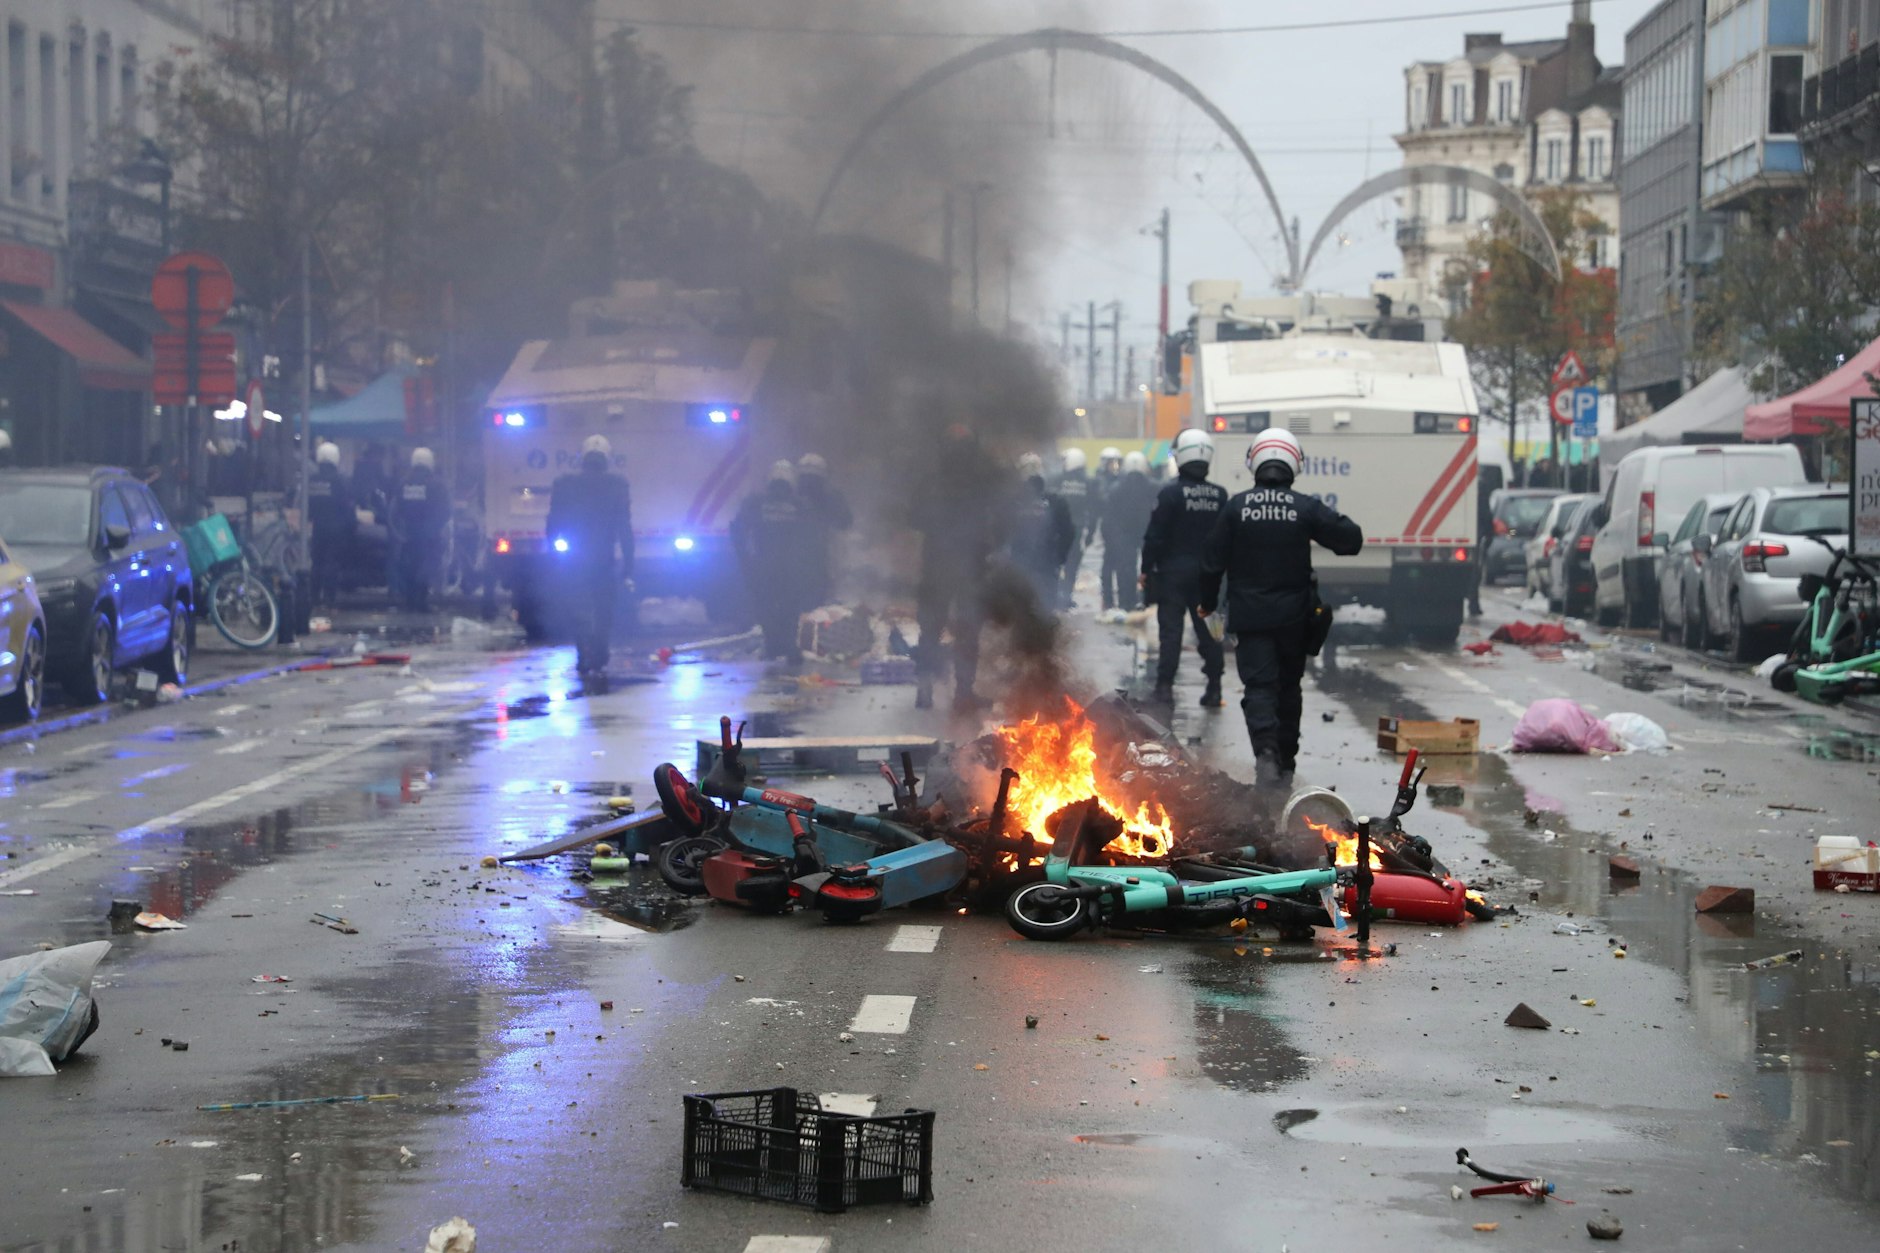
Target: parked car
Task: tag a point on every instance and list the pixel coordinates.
(1515, 514)
(1539, 549)
(22, 642)
(1754, 567)
(1571, 582)
(1657, 485)
(112, 574)
(1680, 574)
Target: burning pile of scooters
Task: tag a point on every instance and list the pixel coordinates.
(1080, 832)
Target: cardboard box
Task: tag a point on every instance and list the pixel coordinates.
(1842, 859)
(1458, 736)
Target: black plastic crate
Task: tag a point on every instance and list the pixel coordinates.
(779, 1145)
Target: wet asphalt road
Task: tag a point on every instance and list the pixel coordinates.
(1248, 1094)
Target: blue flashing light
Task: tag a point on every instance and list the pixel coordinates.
(684, 543)
(719, 417)
(561, 545)
(515, 419)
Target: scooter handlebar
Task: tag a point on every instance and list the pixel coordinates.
(1409, 765)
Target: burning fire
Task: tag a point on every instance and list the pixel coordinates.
(1345, 846)
(1057, 766)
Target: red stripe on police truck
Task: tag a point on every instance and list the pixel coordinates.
(1417, 519)
(703, 498)
(725, 490)
(1448, 506)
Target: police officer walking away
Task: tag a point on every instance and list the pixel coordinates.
(957, 536)
(1127, 505)
(1079, 494)
(1184, 515)
(419, 516)
(591, 512)
(828, 515)
(1262, 544)
(1043, 533)
(330, 510)
(772, 533)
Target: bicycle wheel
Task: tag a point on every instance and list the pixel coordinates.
(243, 609)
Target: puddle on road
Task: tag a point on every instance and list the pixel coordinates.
(1238, 1045)
(1374, 1126)
(638, 900)
(1811, 1031)
(1705, 697)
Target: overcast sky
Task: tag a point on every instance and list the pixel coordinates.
(1319, 106)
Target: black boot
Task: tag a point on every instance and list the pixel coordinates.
(1164, 694)
(1211, 699)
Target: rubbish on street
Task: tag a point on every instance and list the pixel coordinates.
(1458, 736)
(1481, 648)
(1726, 900)
(777, 756)
(1444, 793)
(150, 920)
(1636, 733)
(1532, 1187)
(1621, 867)
(1531, 635)
(1558, 725)
(334, 924)
(610, 865)
(1523, 1015)
(1843, 862)
(1796, 809)
(1604, 1227)
(20, 892)
(1780, 959)
(1570, 928)
(123, 910)
(270, 979)
(46, 1007)
(778, 1144)
(638, 833)
(304, 1100)
(455, 1236)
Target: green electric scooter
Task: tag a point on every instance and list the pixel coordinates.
(1835, 652)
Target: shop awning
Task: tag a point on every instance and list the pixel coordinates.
(375, 411)
(1711, 410)
(102, 361)
(1818, 406)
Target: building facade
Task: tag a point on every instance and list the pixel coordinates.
(1667, 235)
(1532, 115)
(1841, 104)
(1757, 55)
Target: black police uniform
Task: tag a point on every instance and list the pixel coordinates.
(772, 532)
(1262, 544)
(330, 511)
(828, 513)
(1079, 495)
(1043, 535)
(958, 536)
(1184, 516)
(419, 516)
(1127, 504)
(592, 510)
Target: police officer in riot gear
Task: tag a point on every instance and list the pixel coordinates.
(1043, 532)
(772, 533)
(958, 535)
(1262, 545)
(1184, 515)
(330, 511)
(828, 513)
(590, 517)
(419, 515)
(1079, 494)
(1127, 504)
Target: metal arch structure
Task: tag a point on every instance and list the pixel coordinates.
(1058, 39)
(1544, 252)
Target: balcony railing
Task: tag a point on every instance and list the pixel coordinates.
(1410, 232)
(1841, 87)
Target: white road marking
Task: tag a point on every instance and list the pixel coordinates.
(68, 800)
(860, 1104)
(884, 1015)
(788, 1244)
(240, 746)
(1476, 685)
(913, 939)
(229, 711)
(313, 765)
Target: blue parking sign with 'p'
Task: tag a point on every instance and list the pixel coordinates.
(1586, 413)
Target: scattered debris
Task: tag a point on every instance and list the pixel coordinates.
(47, 1010)
(455, 1236)
(150, 920)
(1621, 867)
(1444, 793)
(270, 979)
(1726, 900)
(489, 862)
(1558, 725)
(1638, 734)
(1524, 1015)
(335, 924)
(1780, 959)
(1488, 1226)
(304, 1100)
(1031, 1022)
(1797, 809)
(179, 1046)
(1149, 970)
(607, 1004)
(1530, 635)
(1845, 864)
(1458, 736)
(1604, 1227)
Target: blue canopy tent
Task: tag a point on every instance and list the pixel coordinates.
(376, 412)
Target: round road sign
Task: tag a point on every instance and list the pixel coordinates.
(214, 290)
(1562, 405)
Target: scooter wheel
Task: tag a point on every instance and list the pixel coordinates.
(1045, 911)
(680, 800)
(1782, 679)
(681, 862)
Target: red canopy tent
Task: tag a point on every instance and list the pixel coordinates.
(1818, 406)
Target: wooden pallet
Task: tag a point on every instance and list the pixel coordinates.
(821, 754)
(1458, 736)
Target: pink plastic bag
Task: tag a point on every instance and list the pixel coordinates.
(1561, 726)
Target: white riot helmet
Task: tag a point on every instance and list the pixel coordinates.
(1192, 445)
(1135, 463)
(6, 441)
(783, 471)
(1031, 466)
(1109, 454)
(327, 454)
(1275, 445)
(423, 459)
(1074, 460)
(597, 443)
(812, 465)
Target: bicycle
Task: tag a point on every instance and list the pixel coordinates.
(1837, 643)
(238, 599)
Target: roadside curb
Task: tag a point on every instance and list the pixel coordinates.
(105, 713)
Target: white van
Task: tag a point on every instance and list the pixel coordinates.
(1650, 491)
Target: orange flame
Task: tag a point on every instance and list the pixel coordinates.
(1345, 846)
(1057, 766)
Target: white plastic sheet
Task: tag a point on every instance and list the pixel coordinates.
(46, 1009)
(1638, 734)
